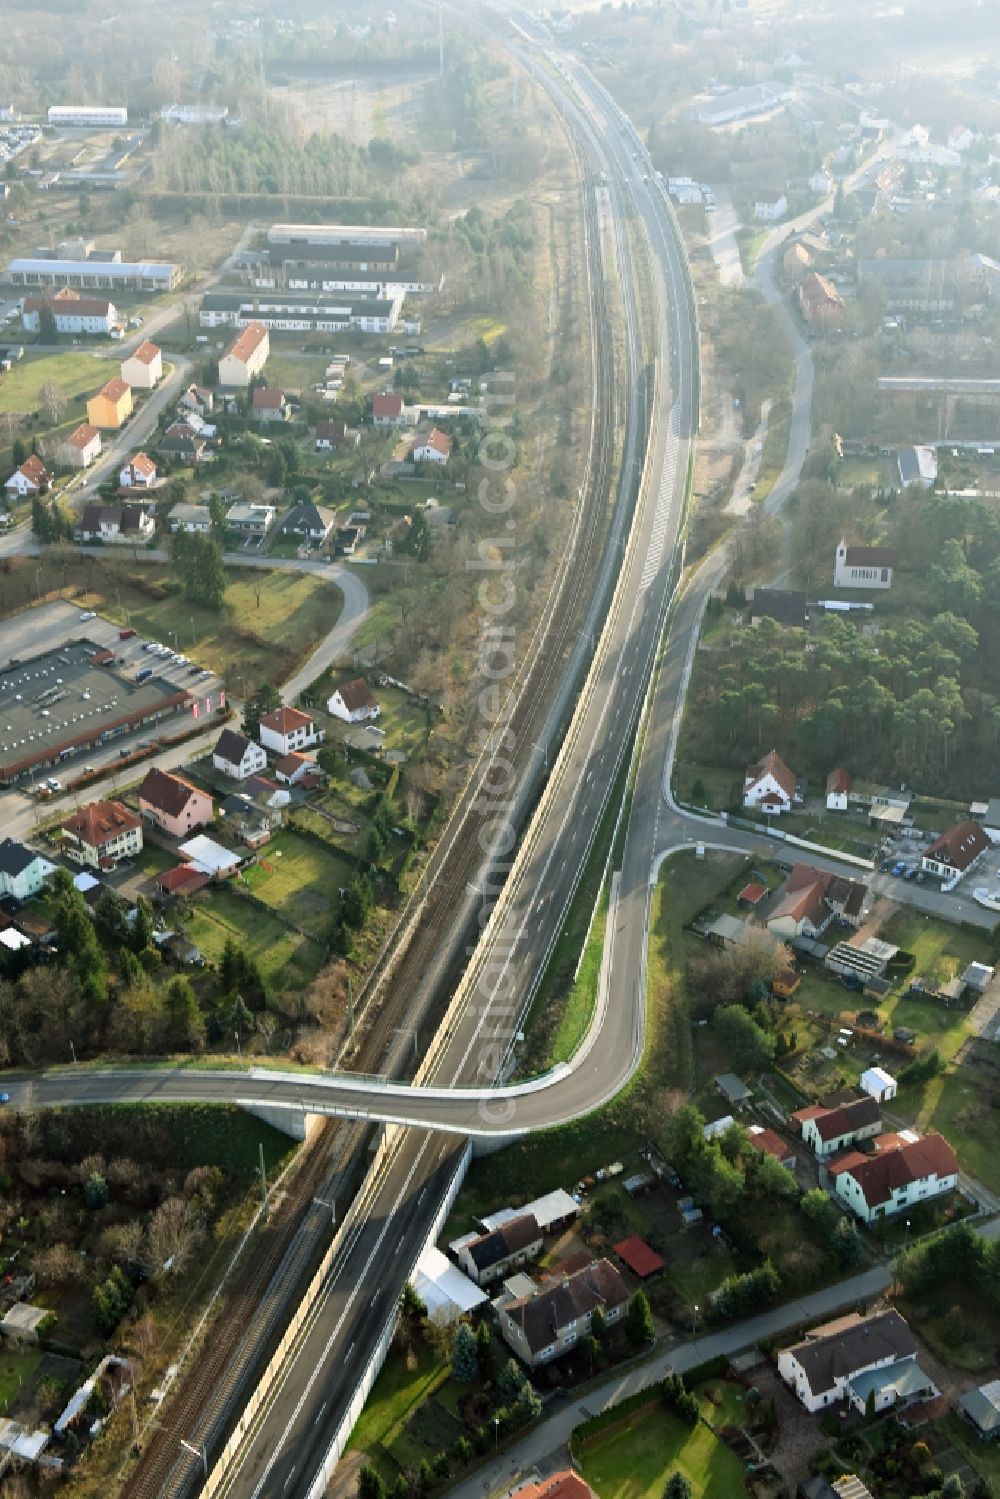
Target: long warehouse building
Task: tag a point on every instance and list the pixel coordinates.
(93, 116)
(95, 275)
(298, 313)
(332, 234)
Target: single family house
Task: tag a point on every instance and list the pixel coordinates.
(173, 804)
(769, 785)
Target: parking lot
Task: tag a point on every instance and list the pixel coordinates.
(55, 625)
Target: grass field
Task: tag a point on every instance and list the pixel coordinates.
(634, 1460)
(287, 960)
(77, 375)
(203, 1134)
(264, 641)
(984, 1456)
(297, 878)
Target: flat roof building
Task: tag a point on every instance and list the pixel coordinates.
(328, 234)
(327, 312)
(92, 116)
(94, 275)
(58, 703)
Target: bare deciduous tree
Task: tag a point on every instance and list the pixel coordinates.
(174, 1233)
(53, 399)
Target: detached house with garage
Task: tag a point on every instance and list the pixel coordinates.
(955, 852)
(237, 756)
(863, 567)
(173, 804)
(544, 1326)
(894, 1180)
(268, 405)
(138, 473)
(390, 410)
(288, 729)
(827, 1131)
(493, 1256)
(769, 786)
(848, 1358)
(838, 787)
(814, 898)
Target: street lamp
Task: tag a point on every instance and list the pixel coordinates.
(906, 1236)
(694, 1331)
(496, 1435)
(38, 583)
(407, 1030)
(239, 1048)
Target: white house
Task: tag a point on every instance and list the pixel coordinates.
(917, 465)
(101, 834)
(80, 448)
(770, 207)
(72, 313)
(185, 517)
(245, 357)
(838, 786)
(31, 478)
(820, 183)
(22, 871)
(893, 1180)
(237, 756)
(834, 1362)
(138, 473)
(143, 368)
(769, 785)
(434, 448)
(863, 567)
(354, 702)
(960, 138)
(494, 1255)
(956, 851)
(287, 729)
(878, 1084)
(828, 1131)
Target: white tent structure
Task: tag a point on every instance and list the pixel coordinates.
(445, 1291)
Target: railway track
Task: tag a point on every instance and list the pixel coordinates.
(430, 938)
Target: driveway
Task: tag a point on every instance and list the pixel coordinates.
(723, 222)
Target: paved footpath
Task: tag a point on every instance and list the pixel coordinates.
(537, 1447)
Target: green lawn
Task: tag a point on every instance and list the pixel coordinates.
(16, 1369)
(396, 1395)
(634, 1460)
(77, 375)
(299, 879)
(287, 960)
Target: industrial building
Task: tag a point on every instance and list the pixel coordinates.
(332, 234)
(91, 116)
(54, 705)
(94, 275)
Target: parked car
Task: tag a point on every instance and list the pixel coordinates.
(910, 874)
(126, 634)
(4, 1098)
(53, 784)
(899, 866)
(87, 614)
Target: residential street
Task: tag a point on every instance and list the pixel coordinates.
(544, 1443)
